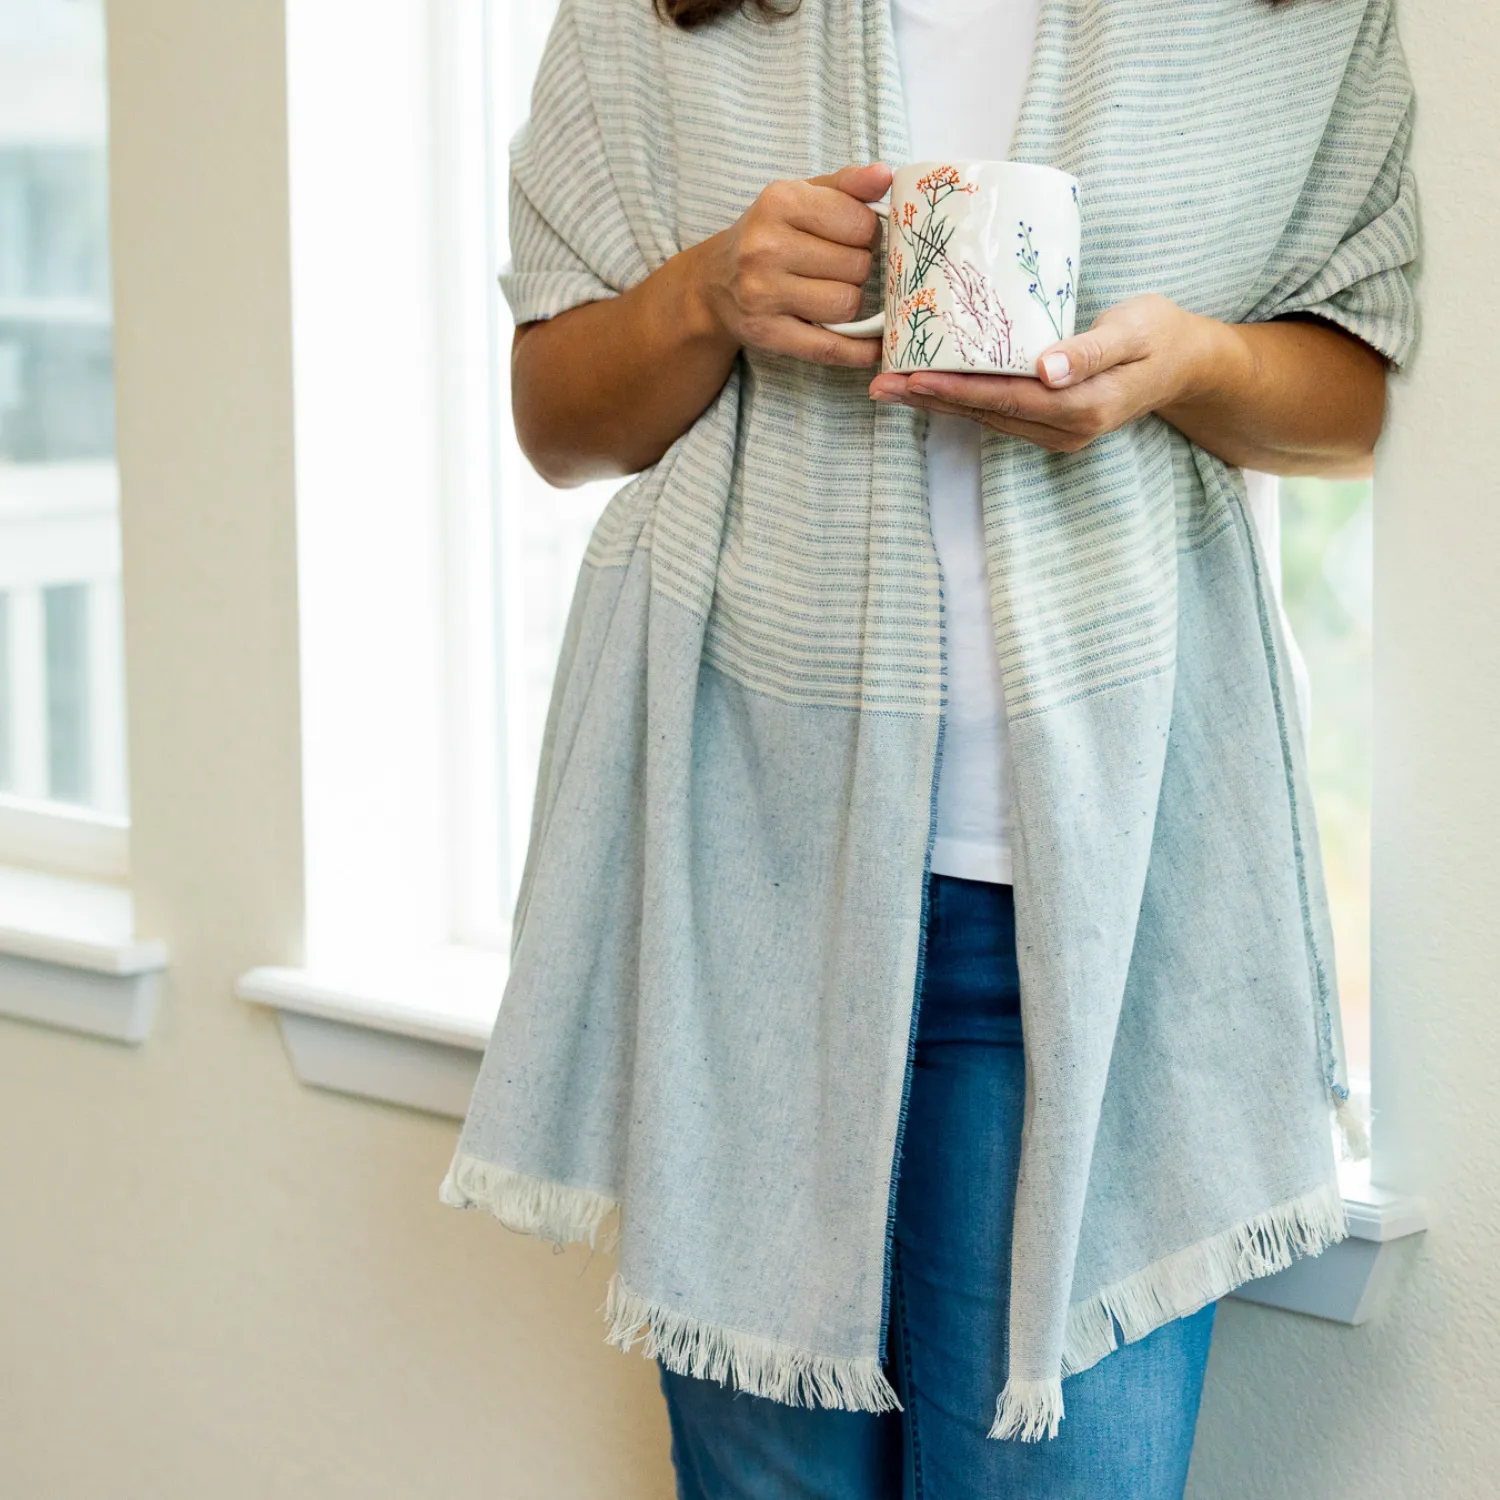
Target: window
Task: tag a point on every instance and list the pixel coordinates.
(62, 742)
(1326, 532)
(426, 668)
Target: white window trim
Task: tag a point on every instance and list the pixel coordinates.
(45, 836)
(69, 956)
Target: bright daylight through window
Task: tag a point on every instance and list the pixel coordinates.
(1326, 532)
(61, 718)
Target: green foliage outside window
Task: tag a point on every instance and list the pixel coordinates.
(1326, 581)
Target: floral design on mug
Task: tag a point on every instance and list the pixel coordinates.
(916, 315)
(1031, 263)
(978, 321)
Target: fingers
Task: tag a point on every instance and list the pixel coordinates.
(1054, 439)
(815, 300)
(828, 212)
(865, 183)
(803, 256)
(806, 254)
(798, 340)
(1117, 337)
(1012, 397)
(1063, 421)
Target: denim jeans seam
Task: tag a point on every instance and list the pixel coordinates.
(903, 1322)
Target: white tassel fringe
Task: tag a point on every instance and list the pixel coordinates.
(529, 1205)
(761, 1366)
(1182, 1283)
(1352, 1130)
(1029, 1410)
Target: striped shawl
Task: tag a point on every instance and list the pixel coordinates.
(718, 939)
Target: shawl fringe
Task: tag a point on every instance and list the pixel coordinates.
(1029, 1410)
(529, 1205)
(760, 1366)
(1182, 1283)
(1354, 1133)
(1172, 1288)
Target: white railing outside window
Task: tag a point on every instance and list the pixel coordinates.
(62, 733)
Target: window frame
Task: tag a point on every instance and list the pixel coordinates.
(69, 955)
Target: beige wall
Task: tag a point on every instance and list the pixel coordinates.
(214, 1282)
(1406, 1406)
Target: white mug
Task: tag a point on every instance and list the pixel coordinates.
(981, 267)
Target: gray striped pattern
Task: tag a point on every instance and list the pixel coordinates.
(1225, 164)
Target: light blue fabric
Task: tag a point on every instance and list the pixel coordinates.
(1131, 1418)
(717, 941)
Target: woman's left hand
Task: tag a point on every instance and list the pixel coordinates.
(1144, 355)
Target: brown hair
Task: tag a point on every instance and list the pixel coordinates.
(695, 12)
(689, 13)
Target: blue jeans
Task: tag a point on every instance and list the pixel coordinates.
(1128, 1431)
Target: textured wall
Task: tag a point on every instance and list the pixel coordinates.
(1406, 1406)
(213, 1281)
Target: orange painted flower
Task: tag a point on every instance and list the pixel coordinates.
(923, 301)
(939, 177)
(909, 212)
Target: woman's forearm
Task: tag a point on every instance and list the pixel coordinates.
(605, 389)
(1289, 397)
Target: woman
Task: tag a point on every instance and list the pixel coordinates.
(899, 717)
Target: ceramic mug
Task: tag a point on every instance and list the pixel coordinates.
(981, 267)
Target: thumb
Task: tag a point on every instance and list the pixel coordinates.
(1111, 341)
(865, 183)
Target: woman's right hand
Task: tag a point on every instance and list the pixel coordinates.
(607, 387)
(799, 256)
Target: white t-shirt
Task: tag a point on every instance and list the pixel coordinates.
(963, 69)
(964, 65)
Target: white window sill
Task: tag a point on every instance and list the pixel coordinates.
(413, 1033)
(69, 956)
(407, 1031)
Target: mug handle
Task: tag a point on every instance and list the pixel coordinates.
(872, 327)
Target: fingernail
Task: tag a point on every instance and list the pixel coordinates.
(881, 396)
(1056, 366)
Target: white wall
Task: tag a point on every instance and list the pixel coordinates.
(1406, 1406)
(213, 1281)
